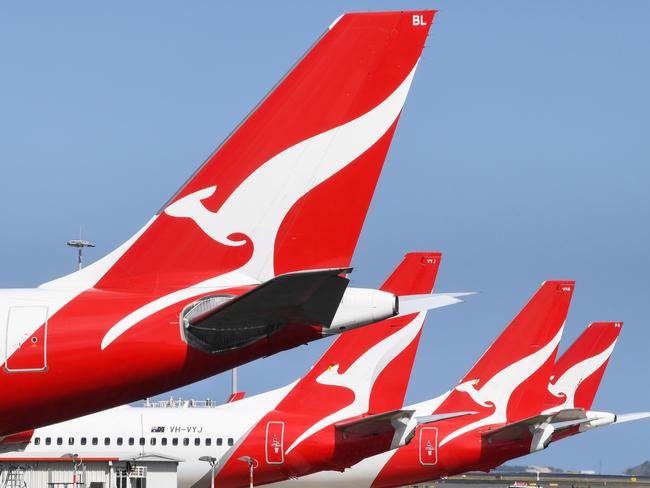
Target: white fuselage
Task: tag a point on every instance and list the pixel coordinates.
(186, 433)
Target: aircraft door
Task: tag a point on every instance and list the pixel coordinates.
(428, 446)
(275, 443)
(25, 352)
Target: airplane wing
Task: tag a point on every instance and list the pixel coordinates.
(219, 323)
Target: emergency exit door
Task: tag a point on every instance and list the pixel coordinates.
(275, 442)
(428, 446)
(25, 352)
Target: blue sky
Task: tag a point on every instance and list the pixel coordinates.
(522, 154)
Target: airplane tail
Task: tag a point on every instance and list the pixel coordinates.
(573, 386)
(578, 372)
(371, 365)
(355, 389)
(507, 382)
(575, 381)
(289, 189)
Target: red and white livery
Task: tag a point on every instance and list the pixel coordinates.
(346, 408)
(464, 444)
(247, 259)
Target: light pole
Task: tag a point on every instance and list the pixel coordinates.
(213, 464)
(75, 463)
(233, 381)
(80, 244)
(252, 464)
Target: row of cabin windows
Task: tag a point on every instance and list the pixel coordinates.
(207, 441)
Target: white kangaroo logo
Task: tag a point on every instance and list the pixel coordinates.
(360, 377)
(257, 207)
(498, 389)
(567, 384)
(192, 207)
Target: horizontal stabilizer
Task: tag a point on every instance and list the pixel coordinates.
(595, 419)
(544, 427)
(217, 324)
(429, 419)
(419, 303)
(630, 417)
(523, 428)
(374, 424)
(566, 424)
(363, 306)
(401, 423)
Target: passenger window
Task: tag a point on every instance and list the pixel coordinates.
(197, 441)
(131, 441)
(186, 441)
(120, 441)
(153, 441)
(37, 441)
(219, 441)
(208, 441)
(142, 441)
(107, 441)
(48, 441)
(175, 441)
(230, 441)
(59, 441)
(95, 441)
(163, 441)
(83, 441)
(70, 441)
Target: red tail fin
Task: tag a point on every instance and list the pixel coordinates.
(578, 372)
(364, 371)
(290, 187)
(507, 382)
(415, 275)
(383, 354)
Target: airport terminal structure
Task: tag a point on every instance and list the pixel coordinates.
(144, 471)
